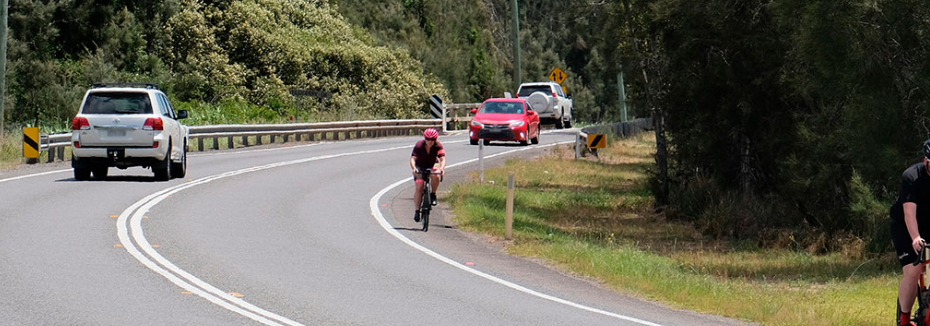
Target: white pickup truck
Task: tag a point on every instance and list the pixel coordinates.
(549, 101)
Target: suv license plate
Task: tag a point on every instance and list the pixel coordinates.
(116, 133)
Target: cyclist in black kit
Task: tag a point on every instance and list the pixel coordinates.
(910, 221)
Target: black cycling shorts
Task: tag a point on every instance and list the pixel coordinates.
(902, 240)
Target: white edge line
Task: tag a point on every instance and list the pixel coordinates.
(376, 212)
(34, 175)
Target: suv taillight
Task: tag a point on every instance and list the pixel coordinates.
(153, 124)
(80, 123)
(555, 95)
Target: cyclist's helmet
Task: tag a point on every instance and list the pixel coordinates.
(431, 134)
(927, 149)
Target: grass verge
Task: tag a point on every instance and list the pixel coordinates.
(594, 219)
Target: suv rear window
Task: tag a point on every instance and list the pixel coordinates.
(526, 91)
(117, 103)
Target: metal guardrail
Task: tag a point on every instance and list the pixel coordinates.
(252, 134)
(460, 116)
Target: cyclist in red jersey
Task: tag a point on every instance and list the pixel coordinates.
(425, 154)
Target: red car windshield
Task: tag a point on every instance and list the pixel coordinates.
(502, 107)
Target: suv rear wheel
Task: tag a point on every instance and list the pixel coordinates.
(100, 172)
(179, 169)
(163, 174)
(81, 174)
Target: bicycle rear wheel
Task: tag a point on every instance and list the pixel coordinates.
(921, 316)
(424, 217)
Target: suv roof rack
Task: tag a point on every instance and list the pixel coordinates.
(131, 85)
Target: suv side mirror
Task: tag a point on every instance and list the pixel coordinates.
(530, 112)
(182, 114)
(473, 111)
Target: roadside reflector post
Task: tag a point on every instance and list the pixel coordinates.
(481, 160)
(508, 219)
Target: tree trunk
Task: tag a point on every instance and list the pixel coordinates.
(658, 121)
(661, 195)
(745, 170)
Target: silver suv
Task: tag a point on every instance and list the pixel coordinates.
(124, 125)
(549, 101)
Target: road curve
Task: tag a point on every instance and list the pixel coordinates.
(302, 234)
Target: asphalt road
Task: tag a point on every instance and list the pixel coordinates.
(294, 234)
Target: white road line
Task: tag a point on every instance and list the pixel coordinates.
(376, 212)
(33, 175)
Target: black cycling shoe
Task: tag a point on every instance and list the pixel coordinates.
(432, 196)
(416, 216)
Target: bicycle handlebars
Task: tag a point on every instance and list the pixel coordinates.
(923, 256)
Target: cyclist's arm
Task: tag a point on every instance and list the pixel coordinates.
(442, 164)
(910, 219)
(413, 163)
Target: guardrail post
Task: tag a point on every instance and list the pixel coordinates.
(577, 146)
(245, 141)
(61, 153)
(200, 144)
(508, 218)
(229, 143)
(258, 140)
(216, 143)
(272, 139)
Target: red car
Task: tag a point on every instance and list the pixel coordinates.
(505, 119)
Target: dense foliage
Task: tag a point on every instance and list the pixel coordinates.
(249, 51)
(793, 114)
(469, 45)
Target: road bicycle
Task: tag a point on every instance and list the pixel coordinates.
(426, 200)
(921, 316)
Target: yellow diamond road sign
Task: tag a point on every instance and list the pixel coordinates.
(31, 142)
(597, 141)
(557, 75)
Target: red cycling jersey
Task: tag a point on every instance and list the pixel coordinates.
(426, 160)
